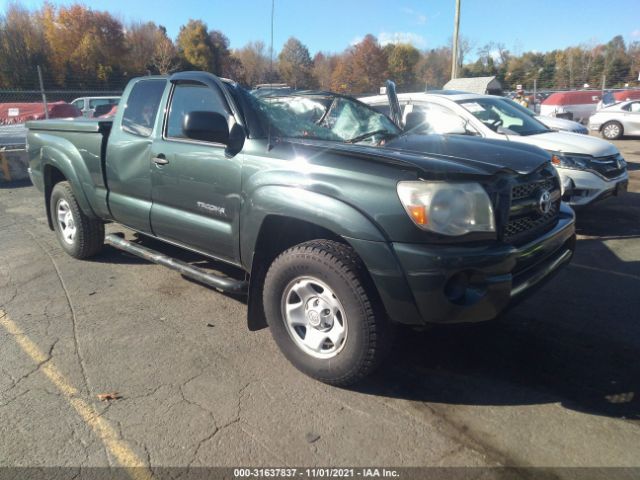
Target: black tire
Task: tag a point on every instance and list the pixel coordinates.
(612, 130)
(369, 332)
(89, 233)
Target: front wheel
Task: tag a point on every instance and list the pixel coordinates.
(612, 130)
(79, 235)
(324, 312)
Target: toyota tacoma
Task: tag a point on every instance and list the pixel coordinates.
(343, 223)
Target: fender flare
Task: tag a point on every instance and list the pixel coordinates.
(62, 161)
(297, 203)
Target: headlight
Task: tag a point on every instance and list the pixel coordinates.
(575, 162)
(447, 208)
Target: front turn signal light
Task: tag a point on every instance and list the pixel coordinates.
(418, 214)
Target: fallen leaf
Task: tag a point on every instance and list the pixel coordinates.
(105, 397)
(312, 437)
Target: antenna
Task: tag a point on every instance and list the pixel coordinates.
(273, 7)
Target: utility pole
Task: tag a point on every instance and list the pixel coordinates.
(456, 28)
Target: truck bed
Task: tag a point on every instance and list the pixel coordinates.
(84, 140)
(77, 125)
(88, 136)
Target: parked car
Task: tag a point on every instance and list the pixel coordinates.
(339, 223)
(95, 106)
(13, 113)
(590, 168)
(617, 120)
(554, 123)
(575, 105)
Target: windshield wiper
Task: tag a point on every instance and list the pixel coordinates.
(364, 136)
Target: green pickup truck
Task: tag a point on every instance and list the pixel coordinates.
(344, 222)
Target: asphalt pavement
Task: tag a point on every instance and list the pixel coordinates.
(556, 383)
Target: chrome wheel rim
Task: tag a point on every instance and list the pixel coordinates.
(66, 222)
(611, 131)
(314, 317)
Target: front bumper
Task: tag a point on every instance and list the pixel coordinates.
(587, 187)
(473, 284)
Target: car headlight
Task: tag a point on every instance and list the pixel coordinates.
(575, 162)
(447, 208)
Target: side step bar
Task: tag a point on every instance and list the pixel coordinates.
(219, 282)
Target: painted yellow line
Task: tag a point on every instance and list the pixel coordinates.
(109, 436)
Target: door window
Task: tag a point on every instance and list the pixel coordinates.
(191, 97)
(440, 119)
(142, 107)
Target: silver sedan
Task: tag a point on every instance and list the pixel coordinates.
(617, 120)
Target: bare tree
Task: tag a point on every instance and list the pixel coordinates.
(165, 55)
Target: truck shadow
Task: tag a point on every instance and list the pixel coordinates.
(113, 255)
(575, 342)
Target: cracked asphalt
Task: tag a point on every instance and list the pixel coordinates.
(556, 383)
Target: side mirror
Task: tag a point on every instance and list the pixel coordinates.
(206, 127)
(416, 123)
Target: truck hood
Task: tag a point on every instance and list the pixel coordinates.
(490, 156)
(567, 142)
(444, 154)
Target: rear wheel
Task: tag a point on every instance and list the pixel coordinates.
(79, 235)
(324, 313)
(612, 130)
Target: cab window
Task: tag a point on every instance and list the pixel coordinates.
(142, 107)
(192, 97)
(96, 102)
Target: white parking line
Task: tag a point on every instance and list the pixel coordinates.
(602, 270)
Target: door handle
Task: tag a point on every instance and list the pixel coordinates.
(160, 160)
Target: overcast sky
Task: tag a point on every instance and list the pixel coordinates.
(332, 25)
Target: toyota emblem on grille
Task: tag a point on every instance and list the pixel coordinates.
(544, 202)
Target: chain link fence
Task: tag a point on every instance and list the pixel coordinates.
(46, 100)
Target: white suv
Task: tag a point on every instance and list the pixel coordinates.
(590, 168)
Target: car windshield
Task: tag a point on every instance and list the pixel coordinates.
(497, 112)
(323, 117)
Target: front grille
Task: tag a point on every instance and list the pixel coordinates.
(608, 167)
(525, 220)
(525, 190)
(530, 223)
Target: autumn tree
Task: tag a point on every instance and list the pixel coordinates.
(362, 69)
(221, 61)
(194, 46)
(165, 55)
(141, 41)
(402, 60)
(295, 65)
(254, 61)
(433, 69)
(22, 47)
(323, 66)
(617, 63)
(86, 47)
